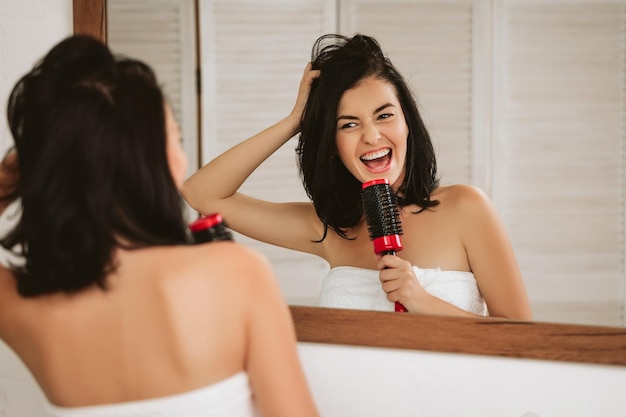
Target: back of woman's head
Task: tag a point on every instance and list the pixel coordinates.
(343, 63)
(89, 130)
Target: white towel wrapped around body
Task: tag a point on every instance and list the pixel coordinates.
(359, 288)
(229, 397)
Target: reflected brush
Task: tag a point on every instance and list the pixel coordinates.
(380, 207)
(210, 228)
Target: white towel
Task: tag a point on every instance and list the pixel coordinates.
(360, 289)
(229, 397)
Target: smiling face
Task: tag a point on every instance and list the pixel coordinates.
(371, 132)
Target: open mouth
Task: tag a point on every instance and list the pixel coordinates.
(377, 160)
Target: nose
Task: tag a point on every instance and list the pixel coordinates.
(370, 133)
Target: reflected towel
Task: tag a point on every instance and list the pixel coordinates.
(360, 289)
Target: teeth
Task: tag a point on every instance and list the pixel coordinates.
(375, 155)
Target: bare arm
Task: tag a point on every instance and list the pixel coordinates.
(273, 365)
(489, 255)
(214, 187)
(493, 261)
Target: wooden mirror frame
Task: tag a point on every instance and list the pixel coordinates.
(515, 339)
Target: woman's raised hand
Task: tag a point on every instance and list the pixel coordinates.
(303, 91)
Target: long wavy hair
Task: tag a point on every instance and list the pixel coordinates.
(334, 191)
(89, 130)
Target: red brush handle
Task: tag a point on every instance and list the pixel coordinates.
(384, 230)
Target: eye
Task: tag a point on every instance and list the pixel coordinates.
(385, 116)
(348, 125)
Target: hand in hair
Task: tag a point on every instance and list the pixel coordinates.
(303, 91)
(9, 175)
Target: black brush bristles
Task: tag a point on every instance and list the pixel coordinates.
(381, 211)
(380, 207)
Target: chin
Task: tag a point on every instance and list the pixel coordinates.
(394, 181)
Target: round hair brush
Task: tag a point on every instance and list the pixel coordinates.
(209, 228)
(380, 207)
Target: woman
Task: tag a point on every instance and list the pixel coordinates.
(358, 122)
(112, 310)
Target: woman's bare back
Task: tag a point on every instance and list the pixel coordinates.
(167, 323)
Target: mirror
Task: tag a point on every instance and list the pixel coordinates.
(593, 282)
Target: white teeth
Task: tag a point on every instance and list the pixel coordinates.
(376, 155)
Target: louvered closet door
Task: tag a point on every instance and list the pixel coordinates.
(253, 56)
(440, 47)
(162, 33)
(559, 155)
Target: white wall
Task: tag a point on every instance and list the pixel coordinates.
(375, 382)
(28, 29)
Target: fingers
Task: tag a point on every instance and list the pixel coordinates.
(309, 73)
(393, 262)
(9, 173)
(305, 84)
(397, 292)
(389, 287)
(9, 162)
(303, 91)
(398, 280)
(9, 177)
(393, 279)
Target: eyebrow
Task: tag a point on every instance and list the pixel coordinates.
(384, 106)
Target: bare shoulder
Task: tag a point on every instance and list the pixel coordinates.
(231, 270)
(206, 278)
(218, 259)
(463, 197)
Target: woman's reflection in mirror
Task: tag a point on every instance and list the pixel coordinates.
(357, 120)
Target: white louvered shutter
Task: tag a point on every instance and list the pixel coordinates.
(525, 99)
(440, 48)
(253, 55)
(559, 152)
(162, 33)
